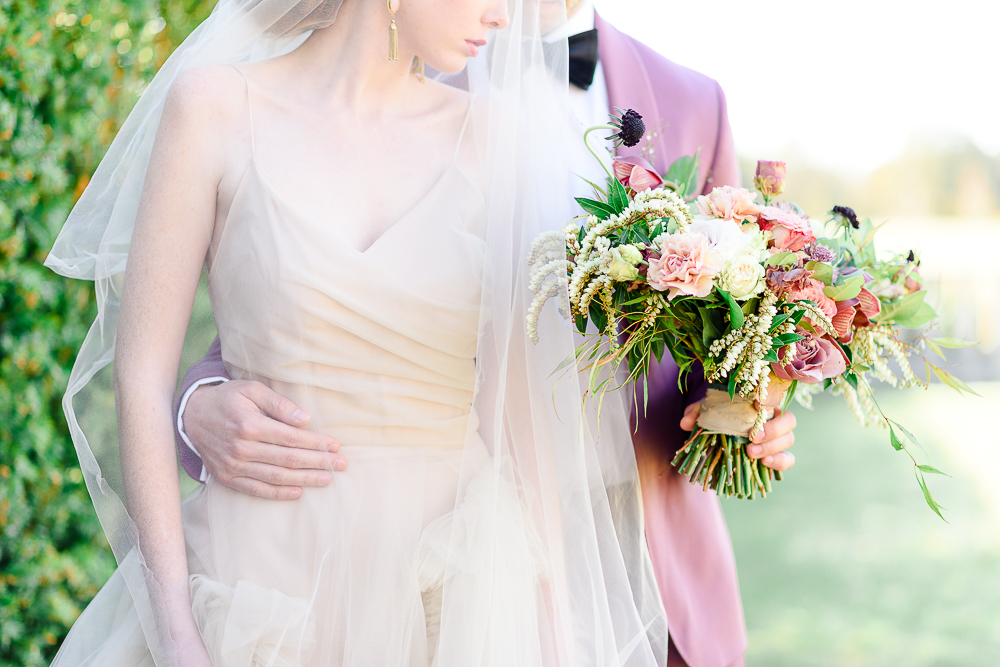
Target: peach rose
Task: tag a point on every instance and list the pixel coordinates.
(729, 203)
(770, 179)
(790, 231)
(636, 173)
(686, 265)
(813, 291)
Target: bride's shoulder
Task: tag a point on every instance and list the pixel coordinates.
(206, 99)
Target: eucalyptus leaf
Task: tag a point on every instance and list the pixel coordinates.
(901, 309)
(782, 259)
(848, 290)
(923, 316)
(822, 272)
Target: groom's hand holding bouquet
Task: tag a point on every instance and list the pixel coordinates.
(769, 303)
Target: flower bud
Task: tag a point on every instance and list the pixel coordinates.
(770, 180)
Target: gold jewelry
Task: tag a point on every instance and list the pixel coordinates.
(417, 67)
(393, 34)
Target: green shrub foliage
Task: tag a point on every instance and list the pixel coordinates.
(69, 73)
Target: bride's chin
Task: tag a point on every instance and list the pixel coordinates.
(450, 63)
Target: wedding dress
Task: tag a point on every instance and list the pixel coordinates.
(484, 518)
(353, 574)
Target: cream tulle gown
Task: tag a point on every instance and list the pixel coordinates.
(379, 346)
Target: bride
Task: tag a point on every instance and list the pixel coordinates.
(365, 230)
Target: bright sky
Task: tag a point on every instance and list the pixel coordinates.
(840, 84)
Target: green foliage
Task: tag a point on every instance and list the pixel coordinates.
(69, 73)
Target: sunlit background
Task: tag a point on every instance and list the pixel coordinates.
(891, 108)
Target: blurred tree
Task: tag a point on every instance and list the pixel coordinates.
(69, 73)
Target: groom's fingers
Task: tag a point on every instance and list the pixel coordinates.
(690, 417)
(279, 408)
(780, 461)
(253, 487)
(770, 447)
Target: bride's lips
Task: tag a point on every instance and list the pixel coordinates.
(474, 45)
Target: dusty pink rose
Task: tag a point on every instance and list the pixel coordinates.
(790, 231)
(770, 179)
(729, 203)
(636, 173)
(813, 291)
(686, 265)
(816, 359)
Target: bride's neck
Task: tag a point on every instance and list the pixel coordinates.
(347, 64)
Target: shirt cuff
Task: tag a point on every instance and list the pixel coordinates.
(203, 477)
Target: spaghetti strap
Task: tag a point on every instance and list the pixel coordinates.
(253, 150)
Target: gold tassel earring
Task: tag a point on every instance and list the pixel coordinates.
(393, 34)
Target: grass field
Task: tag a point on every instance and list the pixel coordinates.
(845, 565)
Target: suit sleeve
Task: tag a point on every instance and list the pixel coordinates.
(725, 169)
(210, 366)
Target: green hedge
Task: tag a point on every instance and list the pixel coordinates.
(69, 74)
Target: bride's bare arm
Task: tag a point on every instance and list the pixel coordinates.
(173, 231)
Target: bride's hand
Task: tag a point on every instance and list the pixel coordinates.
(251, 439)
(770, 444)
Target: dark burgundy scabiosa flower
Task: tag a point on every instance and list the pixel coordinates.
(847, 213)
(630, 126)
(818, 252)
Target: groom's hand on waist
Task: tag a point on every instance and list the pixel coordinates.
(251, 439)
(770, 444)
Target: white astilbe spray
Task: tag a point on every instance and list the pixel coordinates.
(588, 278)
(548, 270)
(871, 345)
(746, 348)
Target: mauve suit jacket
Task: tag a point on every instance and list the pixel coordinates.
(685, 529)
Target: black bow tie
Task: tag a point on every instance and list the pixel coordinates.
(583, 57)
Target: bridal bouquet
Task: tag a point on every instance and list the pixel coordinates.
(770, 303)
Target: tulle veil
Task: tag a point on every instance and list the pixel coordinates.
(576, 484)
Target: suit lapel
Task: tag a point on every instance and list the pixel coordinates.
(628, 84)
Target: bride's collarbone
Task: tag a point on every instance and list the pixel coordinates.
(359, 176)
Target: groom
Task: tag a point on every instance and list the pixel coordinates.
(250, 439)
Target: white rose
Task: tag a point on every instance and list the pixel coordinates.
(743, 277)
(620, 269)
(724, 236)
(630, 253)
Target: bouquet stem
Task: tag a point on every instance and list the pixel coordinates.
(719, 462)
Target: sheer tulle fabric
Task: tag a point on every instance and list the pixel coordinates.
(483, 519)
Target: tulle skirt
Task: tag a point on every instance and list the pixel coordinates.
(411, 557)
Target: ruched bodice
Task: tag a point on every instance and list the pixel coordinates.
(377, 344)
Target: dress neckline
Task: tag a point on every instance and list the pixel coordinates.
(288, 204)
